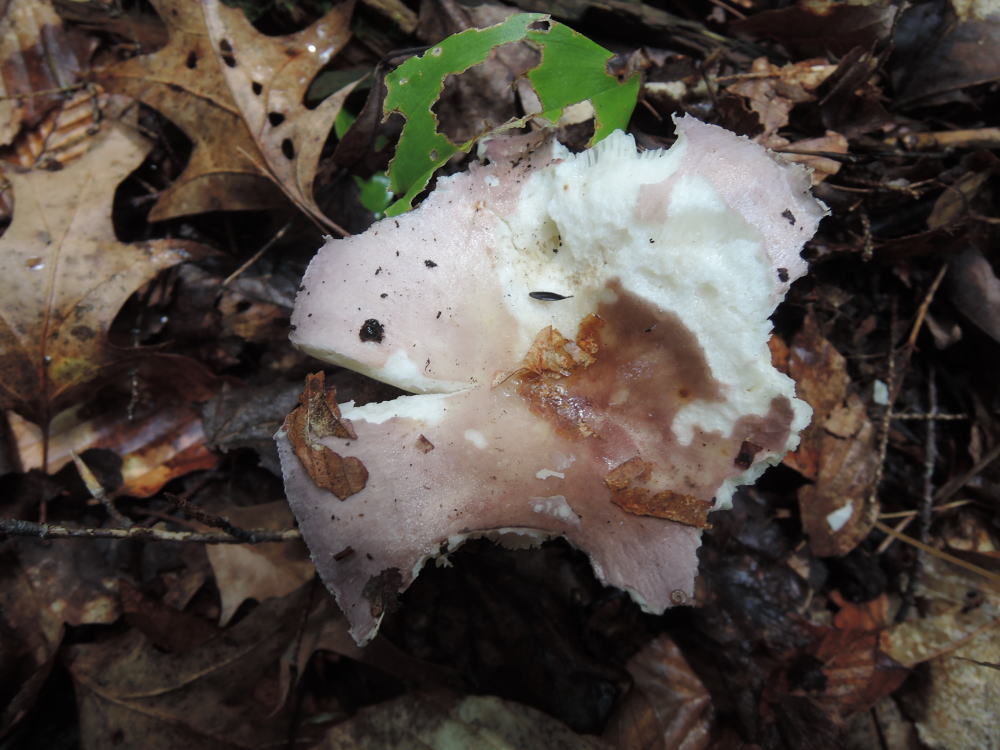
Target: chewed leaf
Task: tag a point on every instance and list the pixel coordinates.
(575, 69)
(572, 69)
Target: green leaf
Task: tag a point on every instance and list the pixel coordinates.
(572, 69)
(375, 194)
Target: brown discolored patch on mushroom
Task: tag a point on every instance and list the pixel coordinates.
(632, 486)
(424, 445)
(382, 591)
(318, 417)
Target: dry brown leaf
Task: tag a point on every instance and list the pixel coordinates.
(36, 55)
(31, 635)
(258, 571)
(772, 91)
(220, 694)
(668, 707)
(822, 166)
(66, 275)
(837, 450)
(436, 721)
(238, 95)
(268, 82)
(184, 81)
(318, 417)
(838, 511)
(155, 447)
(958, 640)
(170, 629)
(858, 673)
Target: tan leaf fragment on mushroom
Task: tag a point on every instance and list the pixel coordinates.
(663, 267)
(317, 417)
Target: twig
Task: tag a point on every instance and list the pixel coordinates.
(974, 138)
(937, 417)
(927, 500)
(209, 519)
(954, 485)
(934, 552)
(44, 92)
(883, 443)
(912, 513)
(97, 491)
(924, 305)
(17, 527)
(257, 255)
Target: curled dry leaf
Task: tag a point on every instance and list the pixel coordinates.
(318, 417)
(562, 315)
(66, 275)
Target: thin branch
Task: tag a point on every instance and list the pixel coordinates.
(17, 527)
(209, 519)
(940, 554)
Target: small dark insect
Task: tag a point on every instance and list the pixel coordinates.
(782, 274)
(548, 296)
(344, 554)
(372, 330)
(787, 214)
(430, 264)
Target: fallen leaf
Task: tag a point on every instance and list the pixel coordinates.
(973, 287)
(772, 91)
(858, 673)
(184, 81)
(668, 707)
(268, 78)
(248, 417)
(820, 373)
(318, 417)
(940, 50)
(822, 166)
(155, 429)
(239, 96)
(72, 580)
(168, 628)
(838, 511)
(258, 571)
(38, 57)
(31, 635)
(217, 695)
(957, 639)
(823, 27)
(447, 722)
(67, 276)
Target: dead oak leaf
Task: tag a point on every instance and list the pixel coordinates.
(65, 275)
(318, 417)
(258, 571)
(238, 95)
(268, 79)
(184, 82)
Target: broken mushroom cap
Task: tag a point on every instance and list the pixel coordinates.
(587, 335)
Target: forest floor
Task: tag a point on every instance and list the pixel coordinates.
(156, 225)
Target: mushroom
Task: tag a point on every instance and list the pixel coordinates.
(585, 338)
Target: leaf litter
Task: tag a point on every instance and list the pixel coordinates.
(830, 611)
